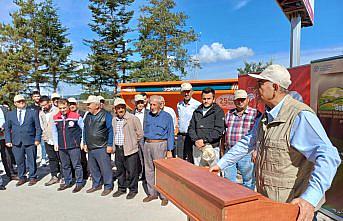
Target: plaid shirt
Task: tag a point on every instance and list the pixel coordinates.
(238, 126)
(119, 139)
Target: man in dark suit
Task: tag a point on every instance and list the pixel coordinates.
(23, 133)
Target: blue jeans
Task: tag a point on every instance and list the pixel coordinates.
(246, 167)
(99, 163)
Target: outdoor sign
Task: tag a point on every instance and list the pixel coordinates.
(299, 89)
(327, 100)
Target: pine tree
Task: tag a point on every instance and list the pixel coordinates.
(163, 36)
(109, 51)
(55, 46)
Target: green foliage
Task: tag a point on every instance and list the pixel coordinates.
(109, 51)
(34, 49)
(161, 43)
(253, 67)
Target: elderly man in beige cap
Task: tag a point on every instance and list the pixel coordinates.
(23, 133)
(54, 98)
(185, 109)
(296, 162)
(238, 122)
(127, 133)
(98, 140)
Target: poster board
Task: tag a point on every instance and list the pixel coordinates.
(327, 101)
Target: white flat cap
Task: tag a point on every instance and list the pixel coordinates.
(72, 100)
(275, 73)
(19, 97)
(240, 94)
(186, 86)
(119, 101)
(139, 97)
(92, 99)
(55, 95)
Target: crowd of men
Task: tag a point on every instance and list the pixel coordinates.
(285, 151)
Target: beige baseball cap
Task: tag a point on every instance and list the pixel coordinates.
(208, 153)
(72, 100)
(186, 86)
(139, 97)
(240, 94)
(275, 73)
(119, 101)
(55, 95)
(19, 97)
(92, 99)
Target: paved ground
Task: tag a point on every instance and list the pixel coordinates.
(45, 203)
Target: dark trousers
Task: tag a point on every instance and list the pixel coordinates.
(99, 163)
(142, 167)
(84, 165)
(54, 161)
(6, 158)
(71, 158)
(26, 155)
(185, 147)
(127, 167)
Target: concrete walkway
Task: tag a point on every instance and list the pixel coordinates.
(45, 203)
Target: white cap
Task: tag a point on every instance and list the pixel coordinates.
(72, 100)
(208, 153)
(19, 97)
(275, 73)
(186, 86)
(55, 95)
(101, 97)
(119, 101)
(139, 97)
(92, 99)
(240, 94)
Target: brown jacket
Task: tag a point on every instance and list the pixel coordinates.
(133, 133)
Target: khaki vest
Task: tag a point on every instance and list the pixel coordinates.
(282, 172)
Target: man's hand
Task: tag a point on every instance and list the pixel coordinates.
(169, 154)
(254, 156)
(37, 142)
(55, 148)
(9, 144)
(199, 143)
(215, 168)
(109, 149)
(85, 148)
(306, 209)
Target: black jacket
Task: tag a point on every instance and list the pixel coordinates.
(95, 131)
(210, 127)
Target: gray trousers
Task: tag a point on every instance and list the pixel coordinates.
(151, 152)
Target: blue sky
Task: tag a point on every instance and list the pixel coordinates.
(231, 32)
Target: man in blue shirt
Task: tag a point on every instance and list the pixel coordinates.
(294, 154)
(159, 143)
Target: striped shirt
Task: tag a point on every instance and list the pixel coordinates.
(119, 131)
(238, 126)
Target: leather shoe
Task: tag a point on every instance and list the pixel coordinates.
(52, 181)
(77, 188)
(164, 202)
(21, 182)
(106, 192)
(118, 193)
(33, 182)
(63, 187)
(2, 187)
(91, 190)
(149, 198)
(14, 177)
(131, 195)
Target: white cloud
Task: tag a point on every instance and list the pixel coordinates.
(240, 4)
(216, 52)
